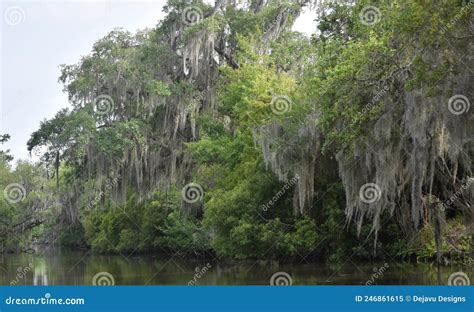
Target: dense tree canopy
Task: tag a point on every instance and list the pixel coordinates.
(221, 130)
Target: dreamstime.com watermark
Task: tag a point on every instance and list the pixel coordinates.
(280, 193)
(373, 104)
(103, 104)
(46, 300)
(103, 279)
(459, 104)
(199, 274)
(459, 279)
(463, 12)
(370, 15)
(378, 96)
(192, 193)
(191, 15)
(14, 15)
(378, 273)
(446, 204)
(197, 100)
(370, 193)
(109, 184)
(278, 18)
(280, 104)
(14, 193)
(22, 272)
(281, 279)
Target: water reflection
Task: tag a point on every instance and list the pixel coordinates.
(56, 267)
(40, 276)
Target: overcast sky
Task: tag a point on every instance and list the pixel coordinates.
(37, 36)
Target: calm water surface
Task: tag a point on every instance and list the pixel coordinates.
(56, 267)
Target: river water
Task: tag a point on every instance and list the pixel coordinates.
(57, 267)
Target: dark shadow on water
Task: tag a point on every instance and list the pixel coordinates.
(57, 267)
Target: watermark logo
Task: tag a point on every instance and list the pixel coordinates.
(378, 273)
(14, 193)
(459, 279)
(199, 274)
(191, 15)
(110, 183)
(458, 104)
(281, 104)
(281, 279)
(14, 15)
(445, 205)
(103, 104)
(463, 12)
(280, 193)
(22, 272)
(192, 193)
(196, 101)
(369, 193)
(103, 279)
(278, 19)
(380, 94)
(370, 15)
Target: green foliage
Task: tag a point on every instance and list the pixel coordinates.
(158, 87)
(153, 226)
(335, 73)
(4, 154)
(71, 236)
(456, 243)
(26, 206)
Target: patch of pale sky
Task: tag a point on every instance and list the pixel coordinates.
(60, 32)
